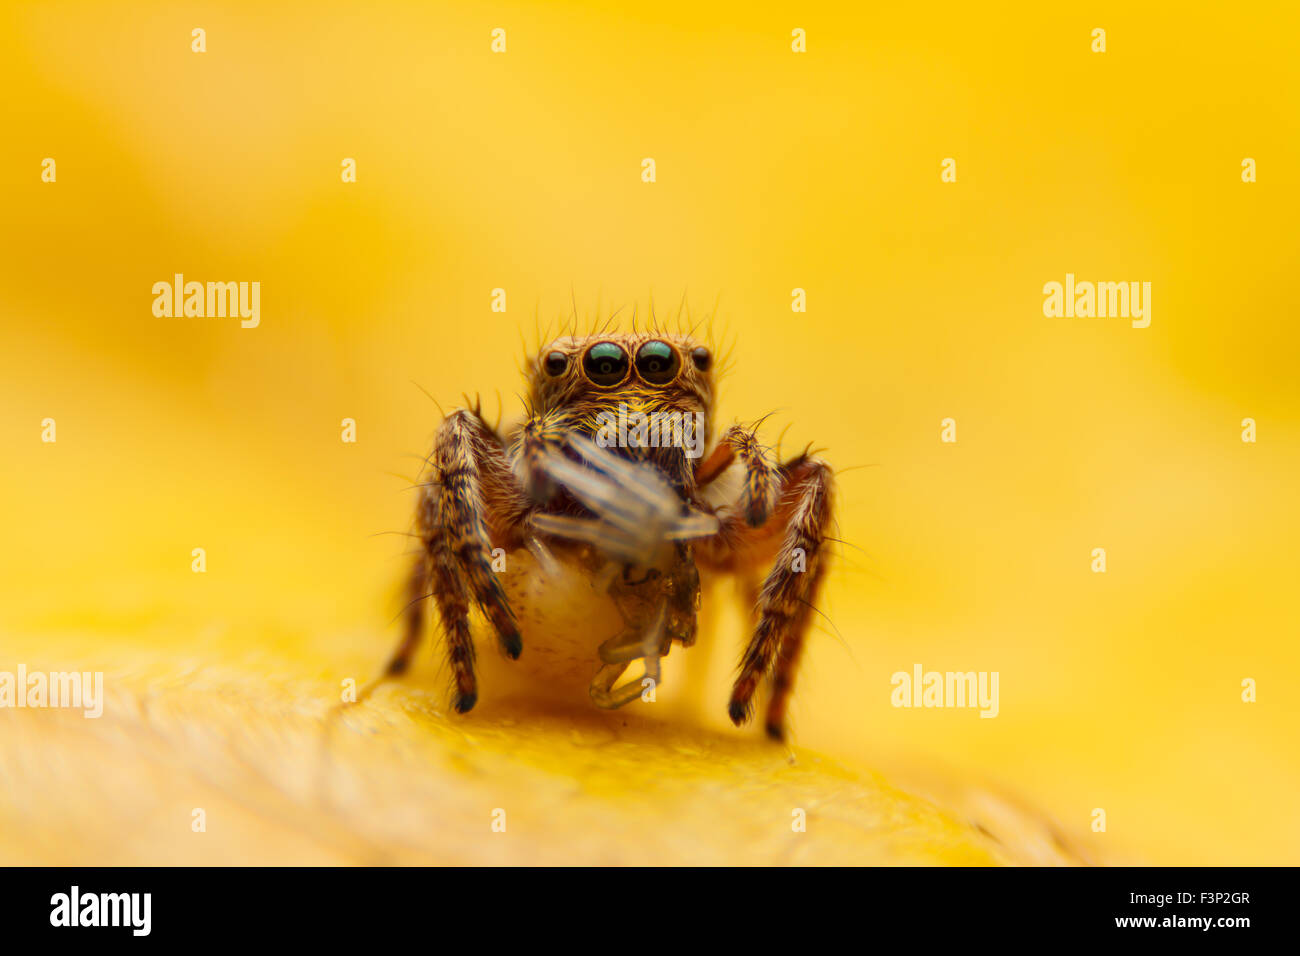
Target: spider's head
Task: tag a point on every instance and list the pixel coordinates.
(646, 371)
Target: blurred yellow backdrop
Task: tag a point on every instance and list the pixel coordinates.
(775, 170)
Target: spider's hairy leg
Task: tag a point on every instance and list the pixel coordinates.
(452, 596)
(470, 495)
(785, 603)
(475, 484)
(417, 585)
(435, 566)
(810, 528)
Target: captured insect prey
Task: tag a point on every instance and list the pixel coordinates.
(608, 501)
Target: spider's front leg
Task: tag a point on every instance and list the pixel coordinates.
(469, 498)
(785, 508)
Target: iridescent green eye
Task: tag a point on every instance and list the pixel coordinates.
(605, 363)
(657, 363)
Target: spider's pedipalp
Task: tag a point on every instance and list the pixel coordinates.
(762, 478)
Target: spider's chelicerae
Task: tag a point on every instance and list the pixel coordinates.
(608, 473)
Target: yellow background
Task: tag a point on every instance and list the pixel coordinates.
(775, 171)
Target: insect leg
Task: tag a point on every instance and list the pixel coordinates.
(683, 595)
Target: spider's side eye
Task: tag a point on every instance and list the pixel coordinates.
(702, 358)
(657, 363)
(605, 363)
(555, 363)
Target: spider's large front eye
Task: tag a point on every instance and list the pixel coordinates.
(605, 363)
(555, 363)
(657, 363)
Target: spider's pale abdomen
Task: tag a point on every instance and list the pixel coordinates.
(564, 616)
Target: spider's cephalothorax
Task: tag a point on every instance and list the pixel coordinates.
(609, 468)
(594, 386)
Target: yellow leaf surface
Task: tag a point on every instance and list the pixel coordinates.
(283, 775)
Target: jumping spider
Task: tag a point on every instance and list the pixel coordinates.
(642, 519)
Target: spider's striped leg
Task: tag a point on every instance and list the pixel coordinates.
(785, 604)
(815, 566)
(452, 596)
(470, 499)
